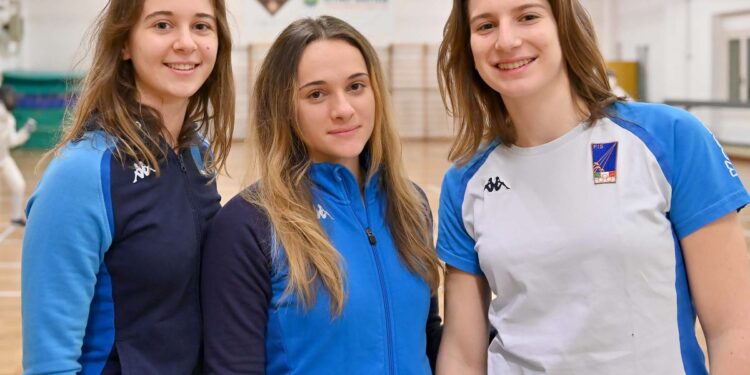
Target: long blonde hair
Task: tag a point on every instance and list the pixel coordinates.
(479, 110)
(109, 95)
(284, 188)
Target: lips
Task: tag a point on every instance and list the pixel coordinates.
(515, 64)
(182, 67)
(343, 131)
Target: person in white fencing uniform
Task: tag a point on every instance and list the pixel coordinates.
(9, 138)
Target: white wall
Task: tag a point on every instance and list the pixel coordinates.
(54, 31)
(383, 23)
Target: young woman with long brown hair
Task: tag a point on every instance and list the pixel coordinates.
(110, 273)
(586, 215)
(326, 264)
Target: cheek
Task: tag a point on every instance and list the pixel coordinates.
(210, 48)
(307, 117)
(474, 46)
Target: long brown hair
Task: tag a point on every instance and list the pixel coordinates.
(109, 94)
(479, 111)
(283, 165)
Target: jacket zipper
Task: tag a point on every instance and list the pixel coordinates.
(373, 242)
(386, 305)
(186, 185)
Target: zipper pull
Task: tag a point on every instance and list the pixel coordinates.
(182, 163)
(371, 236)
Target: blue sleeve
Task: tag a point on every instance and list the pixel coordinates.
(705, 185)
(236, 290)
(69, 229)
(454, 245)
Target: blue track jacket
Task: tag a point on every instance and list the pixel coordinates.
(111, 263)
(387, 321)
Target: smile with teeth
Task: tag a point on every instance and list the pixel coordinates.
(182, 67)
(515, 65)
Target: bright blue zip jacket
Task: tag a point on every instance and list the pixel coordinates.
(249, 329)
(110, 273)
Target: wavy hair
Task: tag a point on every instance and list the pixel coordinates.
(108, 93)
(479, 111)
(284, 188)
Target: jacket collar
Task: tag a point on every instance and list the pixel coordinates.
(337, 182)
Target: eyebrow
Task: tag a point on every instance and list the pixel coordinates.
(168, 13)
(315, 83)
(517, 9)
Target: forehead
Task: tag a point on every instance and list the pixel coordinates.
(189, 7)
(477, 7)
(327, 59)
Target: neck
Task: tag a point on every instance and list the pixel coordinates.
(356, 170)
(546, 116)
(172, 114)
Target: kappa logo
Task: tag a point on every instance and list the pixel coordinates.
(141, 171)
(496, 185)
(728, 164)
(322, 213)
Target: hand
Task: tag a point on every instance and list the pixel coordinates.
(30, 125)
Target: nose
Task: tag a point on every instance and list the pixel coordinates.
(341, 107)
(507, 37)
(185, 41)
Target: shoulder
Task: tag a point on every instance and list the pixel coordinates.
(457, 176)
(240, 230)
(239, 218)
(76, 183)
(80, 163)
(658, 119)
(240, 208)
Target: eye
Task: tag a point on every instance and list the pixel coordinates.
(315, 95)
(357, 86)
(485, 27)
(529, 17)
(162, 25)
(203, 26)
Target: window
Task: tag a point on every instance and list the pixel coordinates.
(734, 70)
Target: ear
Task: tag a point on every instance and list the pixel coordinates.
(125, 53)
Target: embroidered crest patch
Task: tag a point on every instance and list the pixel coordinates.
(604, 156)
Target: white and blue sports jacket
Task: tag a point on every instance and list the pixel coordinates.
(111, 257)
(579, 239)
(387, 320)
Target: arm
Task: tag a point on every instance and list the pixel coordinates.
(20, 136)
(463, 349)
(69, 230)
(236, 290)
(716, 258)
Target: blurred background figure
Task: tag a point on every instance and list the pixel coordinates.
(9, 138)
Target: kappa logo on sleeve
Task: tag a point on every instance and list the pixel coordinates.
(727, 163)
(604, 166)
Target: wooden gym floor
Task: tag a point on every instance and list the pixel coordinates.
(426, 162)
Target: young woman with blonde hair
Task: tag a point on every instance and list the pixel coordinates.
(110, 273)
(602, 226)
(326, 264)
